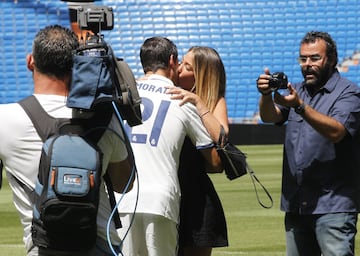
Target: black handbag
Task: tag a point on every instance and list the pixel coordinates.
(235, 165)
(233, 160)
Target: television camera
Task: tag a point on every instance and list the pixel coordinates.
(96, 65)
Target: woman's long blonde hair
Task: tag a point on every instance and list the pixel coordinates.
(209, 73)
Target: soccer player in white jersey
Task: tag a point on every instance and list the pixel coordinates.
(157, 144)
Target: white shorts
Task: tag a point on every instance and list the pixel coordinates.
(149, 235)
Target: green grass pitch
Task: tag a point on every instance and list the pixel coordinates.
(252, 229)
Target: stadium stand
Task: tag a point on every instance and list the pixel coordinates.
(249, 36)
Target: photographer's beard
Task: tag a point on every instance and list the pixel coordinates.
(315, 77)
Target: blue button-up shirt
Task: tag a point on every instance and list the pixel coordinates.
(320, 176)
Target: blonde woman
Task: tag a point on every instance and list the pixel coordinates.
(202, 221)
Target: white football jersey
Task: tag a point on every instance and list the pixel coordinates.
(157, 145)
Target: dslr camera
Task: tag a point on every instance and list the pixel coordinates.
(278, 81)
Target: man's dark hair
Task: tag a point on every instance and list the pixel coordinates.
(331, 50)
(155, 53)
(53, 48)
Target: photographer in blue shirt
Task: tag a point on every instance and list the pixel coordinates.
(320, 183)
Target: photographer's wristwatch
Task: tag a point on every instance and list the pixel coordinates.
(300, 109)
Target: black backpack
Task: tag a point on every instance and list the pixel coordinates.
(66, 195)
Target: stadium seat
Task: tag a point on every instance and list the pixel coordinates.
(247, 37)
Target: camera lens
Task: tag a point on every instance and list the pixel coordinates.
(278, 81)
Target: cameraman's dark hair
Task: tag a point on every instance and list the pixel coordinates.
(53, 49)
(155, 53)
(331, 50)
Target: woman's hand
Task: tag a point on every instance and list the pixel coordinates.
(184, 96)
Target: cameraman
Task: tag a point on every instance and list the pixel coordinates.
(320, 171)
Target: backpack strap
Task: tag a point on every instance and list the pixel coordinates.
(46, 126)
(30, 106)
(112, 200)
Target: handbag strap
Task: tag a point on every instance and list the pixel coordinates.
(222, 137)
(255, 180)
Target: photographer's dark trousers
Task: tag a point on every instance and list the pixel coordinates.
(323, 234)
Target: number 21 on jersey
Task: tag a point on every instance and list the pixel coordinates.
(153, 136)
